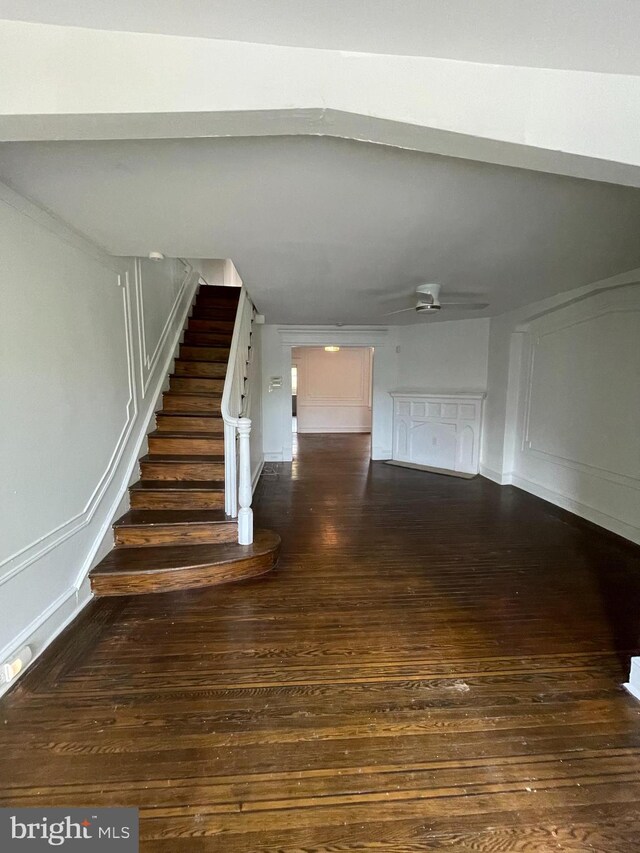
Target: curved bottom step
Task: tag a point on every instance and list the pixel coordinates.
(133, 571)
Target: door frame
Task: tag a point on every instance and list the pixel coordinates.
(382, 379)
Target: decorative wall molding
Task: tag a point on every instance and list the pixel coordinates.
(149, 360)
(584, 510)
(527, 447)
(67, 551)
(147, 413)
(574, 438)
(17, 562)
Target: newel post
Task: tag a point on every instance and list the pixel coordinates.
(245, 513)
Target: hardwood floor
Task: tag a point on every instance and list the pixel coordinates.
(434, 665)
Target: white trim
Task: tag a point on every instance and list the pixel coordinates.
(630, 480)
(583, 510)
(48, 542)
(633, 689)
(495, 476)
(152, 403)
(633, 685)
(443, 395)
(148, 362)
(48, 625)
(331, 429)
(257, 473)
(376, 337)
(346, 336)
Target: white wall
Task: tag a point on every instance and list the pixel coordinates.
(449, 355)
(221, 272)
(85, 341)
(56, 71)
(563, 402)
(334, 389)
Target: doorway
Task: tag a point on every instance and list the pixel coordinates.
(331, 388)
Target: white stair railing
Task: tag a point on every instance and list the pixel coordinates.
(237, 427)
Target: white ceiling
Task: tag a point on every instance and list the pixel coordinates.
(596, 35)
(326, 231)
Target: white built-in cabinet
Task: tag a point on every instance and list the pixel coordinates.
(438, 429)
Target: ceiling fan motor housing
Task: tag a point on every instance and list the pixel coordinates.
(428, 297)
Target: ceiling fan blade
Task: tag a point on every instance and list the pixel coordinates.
(407, 293)
(472, 306)
(401, 311)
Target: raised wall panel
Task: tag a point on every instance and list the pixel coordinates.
(588, 412)
(576, 438)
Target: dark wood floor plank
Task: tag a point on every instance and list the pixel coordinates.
(434, 665)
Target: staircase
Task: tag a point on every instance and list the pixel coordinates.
(176, 534)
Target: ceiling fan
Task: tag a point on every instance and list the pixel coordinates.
(428, 301)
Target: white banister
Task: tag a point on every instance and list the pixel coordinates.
(237, 427)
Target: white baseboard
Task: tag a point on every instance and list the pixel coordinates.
(621, 528)
(255, 475)
(380, 454)
(496, 476)
(633, 685)
(333, 430)
(48, 625)
(274, 457)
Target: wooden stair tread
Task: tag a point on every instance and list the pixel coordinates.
(173, 434)
(180, 392)
(209, 346)
(169, 517)
(194, 375)
(170, 568)
(189, 414)
(178, 557)
(164, 457)
(193, 362)
(178, 486)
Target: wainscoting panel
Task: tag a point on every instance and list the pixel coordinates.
(85, 345)
(579, 409)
